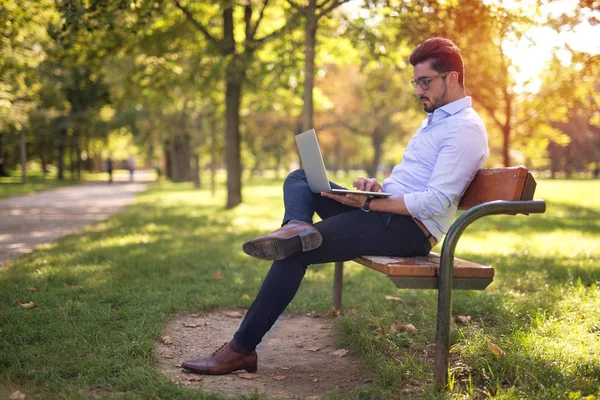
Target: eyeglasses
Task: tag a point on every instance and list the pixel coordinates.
(424, 82)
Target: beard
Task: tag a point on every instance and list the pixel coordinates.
(439, 101)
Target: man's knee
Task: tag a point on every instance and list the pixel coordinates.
(295, 176)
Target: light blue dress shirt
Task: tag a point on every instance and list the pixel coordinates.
(438, 164)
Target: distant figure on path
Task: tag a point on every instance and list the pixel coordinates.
(109, 168)
(131, 167)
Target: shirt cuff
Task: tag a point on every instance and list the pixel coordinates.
(412, 204)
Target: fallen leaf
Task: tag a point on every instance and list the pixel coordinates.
(394, 298)
(246, 375)
(17, 396)
(399, 327)
(313, 349)
(333, 313)
(339, 353)
(233, 314)
(166, 340)
(72, 286)
(279, 377)
(299, 345)
(495, 349)
(31, 304)
(189, 324)
(193, 378)
(218, 275)
(463, 319)
(32, 289)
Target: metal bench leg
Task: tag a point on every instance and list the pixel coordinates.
(338, 277)
(442, 337)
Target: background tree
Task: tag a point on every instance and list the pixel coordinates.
(236, 59)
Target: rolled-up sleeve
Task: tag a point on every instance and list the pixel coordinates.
(463, 149)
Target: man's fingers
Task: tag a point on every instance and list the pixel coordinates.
(358, 183)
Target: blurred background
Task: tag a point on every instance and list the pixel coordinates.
(197, 90)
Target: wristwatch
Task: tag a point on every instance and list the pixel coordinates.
(367, 206)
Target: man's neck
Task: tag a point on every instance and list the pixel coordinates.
(459, 94)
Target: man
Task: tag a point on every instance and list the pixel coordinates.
(440, 161)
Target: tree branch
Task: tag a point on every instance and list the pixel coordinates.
(279, 32)
(248, 21)
(331, 7)
(295, 5)
(260, 17)
(490, 110)
(197, 24)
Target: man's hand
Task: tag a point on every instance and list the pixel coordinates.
(367, 184)
(352, 200)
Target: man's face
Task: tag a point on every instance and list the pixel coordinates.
(435, 96)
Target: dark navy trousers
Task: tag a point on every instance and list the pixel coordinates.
(347, 233)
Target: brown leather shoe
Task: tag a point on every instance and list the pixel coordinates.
(223, 361)
(292, 237)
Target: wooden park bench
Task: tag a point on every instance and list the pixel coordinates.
(492, 191)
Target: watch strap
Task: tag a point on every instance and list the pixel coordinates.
(366, 207)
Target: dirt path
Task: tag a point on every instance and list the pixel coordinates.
(27, 221)
(296, 360)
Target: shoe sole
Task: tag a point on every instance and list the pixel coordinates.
(275, 249)
(251, 370)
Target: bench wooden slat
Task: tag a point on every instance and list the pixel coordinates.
(428, 266)
(495, 184)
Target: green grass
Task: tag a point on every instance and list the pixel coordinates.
(105, 295)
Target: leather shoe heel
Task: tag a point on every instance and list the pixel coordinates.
(293, 237)
(311, 239)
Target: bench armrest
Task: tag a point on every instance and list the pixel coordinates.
(483, 210)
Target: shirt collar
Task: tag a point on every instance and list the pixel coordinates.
(449, 109)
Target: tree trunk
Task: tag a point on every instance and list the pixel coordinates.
(62, 145)
(213, 159)
(185, 157)
(506, 145)
(174, 168)
(310, 40)
(72, 156)
(44, 158)
(78, 156)
(196, 158)
(23, 158)
(377, 142)
(2, 168)
(232, 143)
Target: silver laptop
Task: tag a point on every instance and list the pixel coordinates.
(314, 167)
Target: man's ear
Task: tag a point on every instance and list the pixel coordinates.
(453, 77)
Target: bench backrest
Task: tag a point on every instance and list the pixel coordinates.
(513, 183)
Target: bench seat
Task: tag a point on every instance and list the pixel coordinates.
(423, 272)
